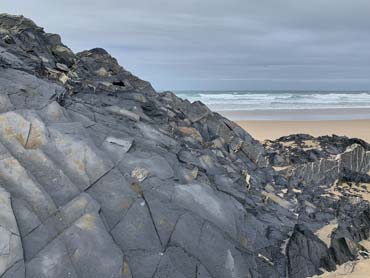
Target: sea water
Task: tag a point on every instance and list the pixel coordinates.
(285, 105)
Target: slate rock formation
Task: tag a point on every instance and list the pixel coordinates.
(101, 176)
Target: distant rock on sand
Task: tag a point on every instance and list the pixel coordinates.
(100, 176)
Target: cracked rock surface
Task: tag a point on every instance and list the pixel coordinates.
(101, 176)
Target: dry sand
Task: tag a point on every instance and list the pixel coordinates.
(356, 269)
(263, 130)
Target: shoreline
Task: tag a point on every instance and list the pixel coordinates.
(329, 114)
(273, 129)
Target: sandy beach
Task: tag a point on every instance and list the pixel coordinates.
(262, 130)
(330, 114)
(272, 124)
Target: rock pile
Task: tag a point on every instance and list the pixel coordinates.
(101, 176)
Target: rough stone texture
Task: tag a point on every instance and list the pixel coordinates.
(100, 176)
(11, 251)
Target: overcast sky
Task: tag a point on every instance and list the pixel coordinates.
(219, 44)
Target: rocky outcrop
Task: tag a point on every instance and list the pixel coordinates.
(330, 178)
(101, 176)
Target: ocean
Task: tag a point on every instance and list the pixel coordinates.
(285, 105)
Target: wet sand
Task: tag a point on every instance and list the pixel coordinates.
(267, 129)
(329, 114)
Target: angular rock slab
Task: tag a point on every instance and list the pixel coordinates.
(115, 196)
(307, 252)
(84, 250)
(11, 251)
(5, 104)
(14, 127)
(92, 250)
(324, 171)
(154, 164)
(136, 231)
(80, 247)
(355, 159)
(210, 205)
(17, 181)
(26, 91)
(117, 147)
(25, 139)
(80, 159)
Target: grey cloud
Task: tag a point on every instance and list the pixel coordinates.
(220, 44)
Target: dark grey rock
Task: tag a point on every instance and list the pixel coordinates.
(136, 231)
(11, 251)
(154, 164)
(307, 254)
